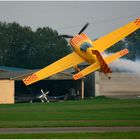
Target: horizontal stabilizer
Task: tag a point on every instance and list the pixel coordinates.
(96, 66)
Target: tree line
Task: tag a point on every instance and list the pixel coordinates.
(25, 48)
(22, 47)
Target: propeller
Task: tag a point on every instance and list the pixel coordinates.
(70, 36)
(66, 36)
(83, 28)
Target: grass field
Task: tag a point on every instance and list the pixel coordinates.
(93, 112)
(105, 135)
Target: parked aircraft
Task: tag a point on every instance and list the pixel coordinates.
(44, 97)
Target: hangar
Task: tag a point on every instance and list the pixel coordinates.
(121, 85)
(11, 85)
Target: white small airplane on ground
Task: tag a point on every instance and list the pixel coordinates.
(44, 97)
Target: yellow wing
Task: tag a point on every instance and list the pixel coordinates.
(58, 66)
(96, 66)
(110, 39)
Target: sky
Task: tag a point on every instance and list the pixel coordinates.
(68, 17)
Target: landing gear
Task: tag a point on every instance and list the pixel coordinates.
(109, 77)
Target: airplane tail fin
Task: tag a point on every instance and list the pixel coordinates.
(96, 66)
(103, 64)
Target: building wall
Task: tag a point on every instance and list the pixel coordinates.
(97, 80)
(121, 85)
(6, 92)
(90, 85)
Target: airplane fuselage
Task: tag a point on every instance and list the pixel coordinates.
(83, 46)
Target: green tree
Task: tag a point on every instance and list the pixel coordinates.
(116, 47)
(21, 47)
(50, 47)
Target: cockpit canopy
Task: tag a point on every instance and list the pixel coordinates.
(84, 46)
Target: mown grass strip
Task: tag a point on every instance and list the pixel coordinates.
(105, 135)
(93, 112)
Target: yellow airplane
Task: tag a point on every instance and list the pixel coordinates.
(89, 51)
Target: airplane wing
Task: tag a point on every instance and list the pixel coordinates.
(95, 66)
(110, 39)
(58, 66)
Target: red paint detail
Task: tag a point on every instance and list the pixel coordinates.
(125, 51)
(29, 79)
(77, 76)
(137, 21)
(78, 39)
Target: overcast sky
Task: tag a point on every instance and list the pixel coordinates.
(69, 17)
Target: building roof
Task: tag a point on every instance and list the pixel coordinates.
(19, 74)
(5, 68)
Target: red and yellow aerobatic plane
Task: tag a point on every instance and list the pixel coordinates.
(89, 51)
